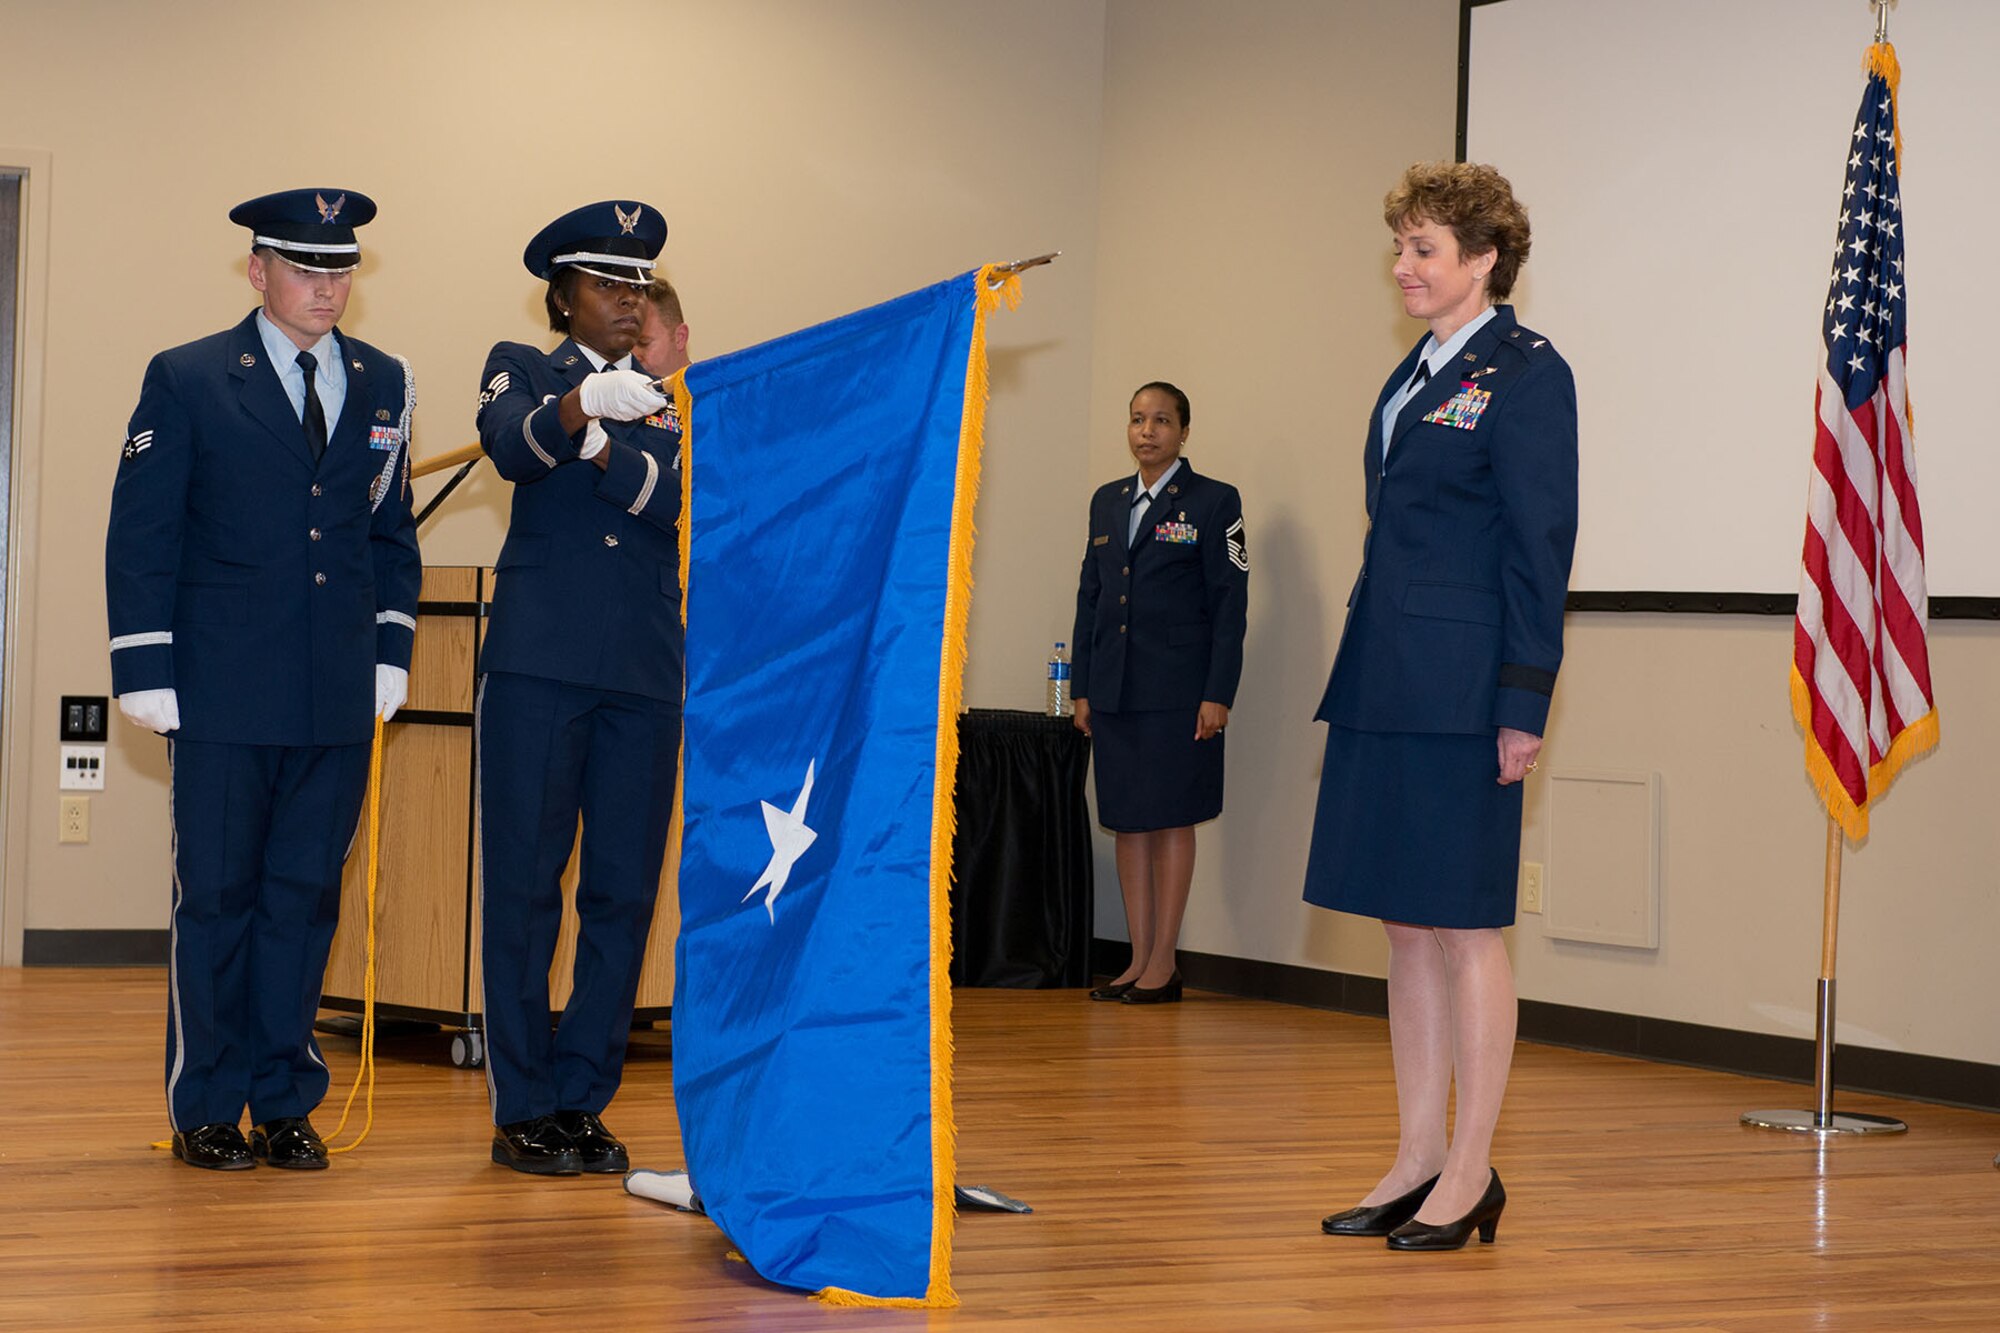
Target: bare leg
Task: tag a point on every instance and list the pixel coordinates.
(1483, 1014)
(1420, 1043)
(1135, 885)
(1173, 875)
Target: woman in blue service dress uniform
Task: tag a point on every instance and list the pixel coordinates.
(1160, 613)
(579, 708)
(1440, 689)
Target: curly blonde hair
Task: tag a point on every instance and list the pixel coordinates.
(1479, 206)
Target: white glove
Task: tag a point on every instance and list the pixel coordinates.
(392, 687)
(622, 395)
(155, 710)
(594, 440)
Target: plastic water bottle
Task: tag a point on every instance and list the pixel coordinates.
(1059, 705)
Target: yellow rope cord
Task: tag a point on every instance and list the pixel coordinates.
(366, 1069)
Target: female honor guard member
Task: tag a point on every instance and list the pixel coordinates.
(1160, 610)
(261, 573)
(579, 707)
(1440, 689)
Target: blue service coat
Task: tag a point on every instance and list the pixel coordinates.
(260, 586)
(1159, 622)
(588, 585)
(1455, 621)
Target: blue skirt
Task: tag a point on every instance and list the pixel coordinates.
(1415, 828)
(1151, 771)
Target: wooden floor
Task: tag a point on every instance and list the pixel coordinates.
(1178, 1158)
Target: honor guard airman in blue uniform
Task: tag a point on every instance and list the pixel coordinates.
(261, 572)
(579, 710)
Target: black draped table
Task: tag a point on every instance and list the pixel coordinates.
(1021, 881)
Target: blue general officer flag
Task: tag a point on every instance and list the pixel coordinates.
(830, 478)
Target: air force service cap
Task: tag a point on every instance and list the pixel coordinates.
(311, 229)
(614, 240)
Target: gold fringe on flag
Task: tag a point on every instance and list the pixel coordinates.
(1914, 740)
(991, 289)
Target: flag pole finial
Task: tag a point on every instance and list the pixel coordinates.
(1881, 8)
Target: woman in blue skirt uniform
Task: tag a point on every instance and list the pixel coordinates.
(1441, 686)
(1159, 648)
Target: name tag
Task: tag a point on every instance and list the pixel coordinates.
(1181, 534)
(1100, 541)
(384, 437)
(1463, 409)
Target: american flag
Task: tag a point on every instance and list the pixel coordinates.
(1861, 675)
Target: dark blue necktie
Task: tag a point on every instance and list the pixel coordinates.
(314, 419)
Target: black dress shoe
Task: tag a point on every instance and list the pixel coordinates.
(1484, 1218)
(597, 1149)
(538, 1147)
(1114, 991)
(1167, 994)
(215, 1147)
(1378, 1219)
(289, 1142)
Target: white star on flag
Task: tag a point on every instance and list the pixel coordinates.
(789, 840)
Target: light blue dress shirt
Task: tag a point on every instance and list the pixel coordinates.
(1437, 358)
(331, 377)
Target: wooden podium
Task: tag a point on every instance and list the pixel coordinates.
(427, 887)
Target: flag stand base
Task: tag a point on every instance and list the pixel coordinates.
(1841, 1122)
(1824, 1120)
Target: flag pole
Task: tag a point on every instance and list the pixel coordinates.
(1822, 1119)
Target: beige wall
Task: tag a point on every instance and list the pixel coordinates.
(811, 159)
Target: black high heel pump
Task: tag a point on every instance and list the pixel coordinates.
(1484, 1218)
(1112, 990)
(1378, 1219)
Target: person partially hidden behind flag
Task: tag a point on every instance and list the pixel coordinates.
(579, 705)
(261, 574)
(1440, 688)
(662, 348)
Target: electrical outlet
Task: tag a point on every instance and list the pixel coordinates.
(1531, 886)
(74, 820)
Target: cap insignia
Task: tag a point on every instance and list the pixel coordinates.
(328, 212)
(626, 221)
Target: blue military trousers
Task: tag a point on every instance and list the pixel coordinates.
(549, 753)
(260, 833)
